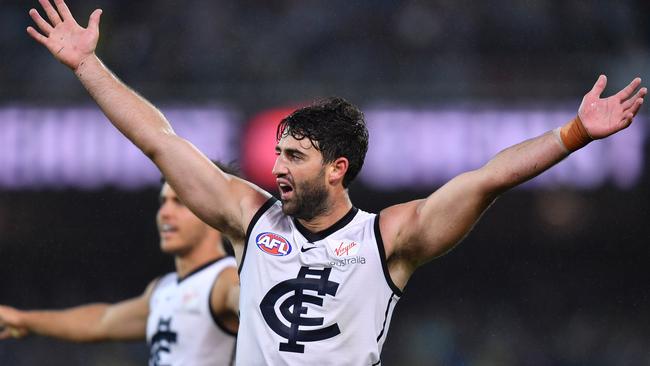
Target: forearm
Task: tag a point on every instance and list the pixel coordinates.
(193, 176)
(78, 324)
(135, 117)
(522, 162)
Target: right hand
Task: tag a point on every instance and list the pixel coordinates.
(11, 324)
(602, 117)
(69, 42)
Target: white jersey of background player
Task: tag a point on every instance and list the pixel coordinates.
(320, 150)
(188, 317)
(182, 328)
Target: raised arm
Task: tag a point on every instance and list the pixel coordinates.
(225, 202)
(418, 231)
(123, 321)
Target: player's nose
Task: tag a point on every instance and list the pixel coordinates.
(278, 167)
(165, 210)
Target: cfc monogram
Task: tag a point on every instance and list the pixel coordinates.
(292, 308)
(162, 341)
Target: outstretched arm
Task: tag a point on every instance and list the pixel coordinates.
(223, 201)
(126, 320)
(418, 231)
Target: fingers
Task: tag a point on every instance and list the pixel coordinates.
(4, 333)
(600, 85)
(93, 22)
(7, 332)
(629, 114)
(635, 108)
(628, 90)
(52, 14)
(44, 26)
(37, 36)
(11, 332)
(639, 94)
(63, 10)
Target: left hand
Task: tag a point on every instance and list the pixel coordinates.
(602, 117)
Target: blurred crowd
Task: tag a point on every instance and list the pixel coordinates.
(255, 51)
(549, 290)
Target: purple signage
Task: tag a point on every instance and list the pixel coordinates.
(409, 148)
(426, 148)
(78, 147)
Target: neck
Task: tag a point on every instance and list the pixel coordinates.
(207, 251)
(337, 209)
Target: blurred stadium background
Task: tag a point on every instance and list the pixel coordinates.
(555, 273)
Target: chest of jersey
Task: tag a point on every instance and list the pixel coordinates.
(314, 296)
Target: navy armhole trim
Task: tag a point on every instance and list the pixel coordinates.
(270, 202)
(213, 316)
(384, 262)
(199, 269)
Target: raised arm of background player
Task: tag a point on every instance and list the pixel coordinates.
(122, 321)
(225, 202)
(418, 231)
(126, 320)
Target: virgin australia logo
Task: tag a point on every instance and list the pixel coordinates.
(344, 248)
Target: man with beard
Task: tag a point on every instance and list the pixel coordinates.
(320, 278)
(188, 317)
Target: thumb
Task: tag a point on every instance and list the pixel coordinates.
(599, 87)
(93, 22)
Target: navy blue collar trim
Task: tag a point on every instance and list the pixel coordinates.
(313, 237)
(199, 269)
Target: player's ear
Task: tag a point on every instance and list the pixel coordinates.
(337, 169)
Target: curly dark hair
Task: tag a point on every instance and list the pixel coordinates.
(335, 127)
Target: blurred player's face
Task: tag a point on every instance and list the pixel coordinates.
(180, 230)
(300, 176)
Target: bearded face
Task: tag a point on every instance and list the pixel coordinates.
(307, 199)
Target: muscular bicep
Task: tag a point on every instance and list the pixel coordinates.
(221, 200)
(127, 320)
(427, 228)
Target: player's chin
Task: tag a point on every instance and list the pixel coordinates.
(288, 206)
(169, 247)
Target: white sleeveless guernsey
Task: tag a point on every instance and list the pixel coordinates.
(181, 328)
(313, 299)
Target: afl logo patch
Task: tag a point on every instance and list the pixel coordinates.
(273, 244)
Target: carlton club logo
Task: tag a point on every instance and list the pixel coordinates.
(273, 244)
(294, 312)
(162, 341)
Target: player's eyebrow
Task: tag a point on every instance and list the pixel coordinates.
(289, 151)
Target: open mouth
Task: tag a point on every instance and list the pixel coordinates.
(285, 189)
(166, 229)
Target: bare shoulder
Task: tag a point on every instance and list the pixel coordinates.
(395, 225)
(148, 291)
(221, 287)
(251, 199)
(254, 196)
